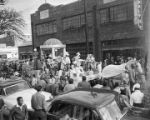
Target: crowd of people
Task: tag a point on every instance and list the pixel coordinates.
(63, 74)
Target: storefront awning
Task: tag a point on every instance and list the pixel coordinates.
(52, 46)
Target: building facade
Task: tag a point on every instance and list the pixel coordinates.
(7, 40)
(25, 50)
(110, 27)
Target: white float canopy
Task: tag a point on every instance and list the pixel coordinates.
(53, 43)
(113, 70)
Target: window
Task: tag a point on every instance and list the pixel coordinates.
(82, 113)
(2, 92)
(72, 22)
(116, 13)
(46, 28)
(17, 87)
(61, 109)
(90, 19)
(77, 21)
(75, 112)
(82, 20)
(111, 112)
(104, 17)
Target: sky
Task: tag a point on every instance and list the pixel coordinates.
(26, 7)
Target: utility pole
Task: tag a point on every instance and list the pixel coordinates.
(97, 47)
(86, 27)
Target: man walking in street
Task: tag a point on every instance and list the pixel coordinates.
(38, 104)
(19, 111)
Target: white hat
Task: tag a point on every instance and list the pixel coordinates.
(67, 54)
(78, 53)
(137, 85)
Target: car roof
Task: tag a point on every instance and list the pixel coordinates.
(10, 82)
(95, 98)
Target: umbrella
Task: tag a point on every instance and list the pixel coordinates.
(113, 70)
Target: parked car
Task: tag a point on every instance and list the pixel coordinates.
(11, 89)
(91, 104)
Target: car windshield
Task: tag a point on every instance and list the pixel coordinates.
(111, 112)
(17, 87)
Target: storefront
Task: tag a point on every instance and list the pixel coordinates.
(124, 47)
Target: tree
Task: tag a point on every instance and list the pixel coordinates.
(11, 23)
(2, 2)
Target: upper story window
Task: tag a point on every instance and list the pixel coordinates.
(90, 19)
(77, 21)
(104, 17)
(46, 28)
(116, 13)
(71, 22)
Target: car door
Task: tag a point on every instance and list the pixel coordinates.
(60, 110)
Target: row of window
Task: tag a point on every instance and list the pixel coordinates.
(46, 28)
(112, 14)
(77, 21)
(116, 13)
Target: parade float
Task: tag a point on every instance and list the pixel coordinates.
(53, 47)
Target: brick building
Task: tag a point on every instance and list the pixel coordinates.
(111, 28)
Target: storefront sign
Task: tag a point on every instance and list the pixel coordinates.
(44, 14)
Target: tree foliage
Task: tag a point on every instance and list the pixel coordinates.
(11, 23)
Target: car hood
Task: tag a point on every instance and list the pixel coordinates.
(10, 100)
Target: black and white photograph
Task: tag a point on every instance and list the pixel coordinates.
(74, 59)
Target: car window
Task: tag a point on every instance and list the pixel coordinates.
(2, 92)
(111, 111)
(83, 113)
(17, 87)
(61, 109)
